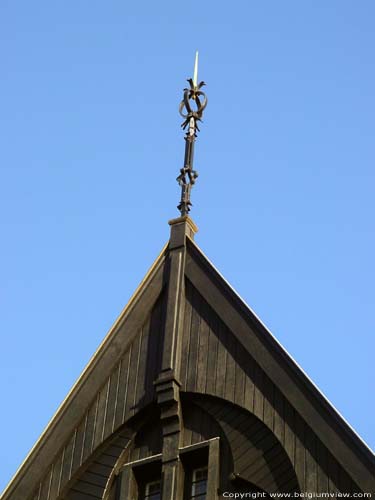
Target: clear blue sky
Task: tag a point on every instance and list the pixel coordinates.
(90, 146)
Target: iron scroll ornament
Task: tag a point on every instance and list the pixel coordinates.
(193, 93)
(188, 175)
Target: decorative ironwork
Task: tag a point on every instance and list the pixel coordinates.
(191, 108)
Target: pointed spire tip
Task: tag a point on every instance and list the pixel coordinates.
(195, 77)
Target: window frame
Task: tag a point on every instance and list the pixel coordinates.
(205, 454)
(134, 476)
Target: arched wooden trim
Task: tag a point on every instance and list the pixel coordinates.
(263, 447)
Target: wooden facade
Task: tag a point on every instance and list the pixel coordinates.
(190, 392)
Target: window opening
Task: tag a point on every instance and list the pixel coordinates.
(199, 484)
(153, 491)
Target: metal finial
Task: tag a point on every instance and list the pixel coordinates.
(191, 108)
(195, 77)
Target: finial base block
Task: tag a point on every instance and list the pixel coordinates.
(180, 228)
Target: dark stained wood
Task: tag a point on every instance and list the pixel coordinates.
(278, 421)
(89, 430)
(132, 381)
(249, 388)
(193, 351)
(230, 375)
(239, 389)
(56, 477)
(112, 402)
(236, 384)
(258, 395)
(299, 460)
(334, 474)
(345, 482)
(95, 479)
(123, 388)
(77, 495)
(311, 473)
(213, 476)
(268, 403)
(100, 414)
(289, 435)
(46, 485)
(221, 366)
(78, 445)
(67, 462)
(322, 467)
(212, 358)
(185, 349)
(202, 356)
(89, 488)
(102, 469)
(109, 460)
(283, 372)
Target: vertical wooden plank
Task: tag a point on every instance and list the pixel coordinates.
(333, 468)
(299, 461)
(268, 404)
(278, 424)
(186, 337)
(289, 440)
(78, 447)
(239, 391)
(212, 356)
(258, 394)
(38, 491)
(56, 477)
(322, 467)
(196, 426)
(310, 463)
(122, 389)
(135, 455)
(194, 339)
(202, 356)
(140, 395)
(154, 334)
(89, 430)
(67, 462)
(126, 484)
(355, 488)
(187, 435)
(111, 405)
(249, 385)
(138, 379)
(100, 416)
(230, 375)
(132, 381)
(221, 359)
(213, 475)
(46, 485)
(345, 483)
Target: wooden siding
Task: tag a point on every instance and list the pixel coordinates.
(215, 363)
(128, 389)
(255, 455)
(92, 481)
(98, 475)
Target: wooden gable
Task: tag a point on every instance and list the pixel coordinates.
(231, 380)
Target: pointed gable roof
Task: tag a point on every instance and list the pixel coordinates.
(117, 382)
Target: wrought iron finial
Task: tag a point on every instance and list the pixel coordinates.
(191, 109)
